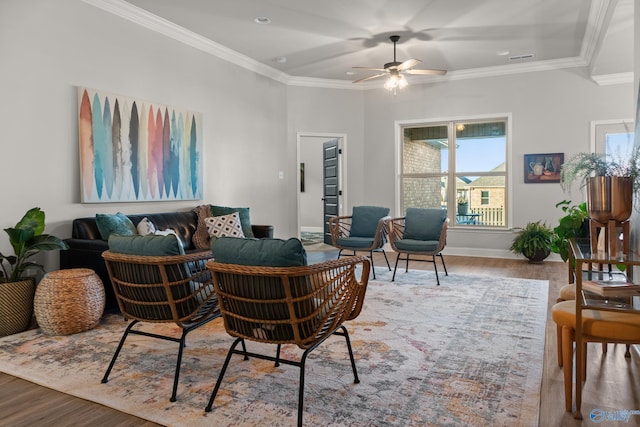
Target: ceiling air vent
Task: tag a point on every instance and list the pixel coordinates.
(523, 56)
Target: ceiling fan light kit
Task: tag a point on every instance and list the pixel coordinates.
(396, 71)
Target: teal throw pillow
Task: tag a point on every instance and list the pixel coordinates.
(149, 245)
(243, 213)
(259, 252)
(364, 220)
(423, 224)
(115, 224)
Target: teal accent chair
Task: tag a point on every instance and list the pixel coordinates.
(365, 230)
(420, 232)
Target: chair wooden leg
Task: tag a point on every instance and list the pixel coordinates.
(584, 361)
(559, 344)
(567, 356)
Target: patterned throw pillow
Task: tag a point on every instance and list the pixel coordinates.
(224, 226)
(200, 238)
(146, 227)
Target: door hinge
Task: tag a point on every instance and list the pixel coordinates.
(339, 150)
(339, 192)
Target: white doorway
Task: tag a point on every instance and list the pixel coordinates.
(310, 160)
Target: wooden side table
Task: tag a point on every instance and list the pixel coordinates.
(69, 301)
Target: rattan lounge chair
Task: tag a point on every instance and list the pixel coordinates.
(162, 289)
(301, 305)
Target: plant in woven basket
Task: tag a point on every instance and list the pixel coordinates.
(27, 240)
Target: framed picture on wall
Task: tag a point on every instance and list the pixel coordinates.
(133, 150)
(542, 168)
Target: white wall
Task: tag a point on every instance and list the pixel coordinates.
(250, 122)
(332, 111)
(551, 113)
(48, 48)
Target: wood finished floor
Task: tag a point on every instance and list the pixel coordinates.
(611, 379)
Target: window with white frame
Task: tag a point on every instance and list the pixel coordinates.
(460, 166)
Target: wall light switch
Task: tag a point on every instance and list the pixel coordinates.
(281, 174)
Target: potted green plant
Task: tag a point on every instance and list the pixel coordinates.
(17, 288)
(611, 181)
(574, 223)
(533, 241)
(463, 205)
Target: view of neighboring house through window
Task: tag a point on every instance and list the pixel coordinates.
(470, 154)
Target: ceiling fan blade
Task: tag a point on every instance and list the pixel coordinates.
(427, 72)
(364, 79)
(370, 68)
(409, 63)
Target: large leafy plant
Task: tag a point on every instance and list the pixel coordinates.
(569, 226)
(27, 240)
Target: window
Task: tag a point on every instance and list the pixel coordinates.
(484, 198)
(459, 166)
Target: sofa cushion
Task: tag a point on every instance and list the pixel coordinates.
(117, 223)
(364, 220)
(224, 226)
(423, 224)
(259, 252)
(245, 218)
(149, 245)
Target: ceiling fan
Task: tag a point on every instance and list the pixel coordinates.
(396, 70)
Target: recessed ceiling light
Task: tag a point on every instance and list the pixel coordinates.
(262, 20)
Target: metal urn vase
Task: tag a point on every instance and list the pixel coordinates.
(609, 198)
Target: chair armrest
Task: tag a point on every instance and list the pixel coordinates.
(339, 227)
(396, 231)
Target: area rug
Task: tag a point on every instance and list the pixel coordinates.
(466, 353)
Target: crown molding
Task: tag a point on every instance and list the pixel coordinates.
(613, 79)
(155, 23)
(600, 9)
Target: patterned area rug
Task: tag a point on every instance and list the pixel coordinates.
(466, 353)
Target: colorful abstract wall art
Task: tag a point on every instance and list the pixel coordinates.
(134, 151)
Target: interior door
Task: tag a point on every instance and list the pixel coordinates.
(331, 189)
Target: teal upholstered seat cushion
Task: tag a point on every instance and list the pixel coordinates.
(364, 220)
(259, 252)
(417, 245)
(423, 224)
(243, 213)
(149, 245)
(355, 242)
(117, 223)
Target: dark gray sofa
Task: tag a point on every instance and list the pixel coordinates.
(86, 244)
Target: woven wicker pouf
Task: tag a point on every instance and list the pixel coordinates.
(69, 301)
